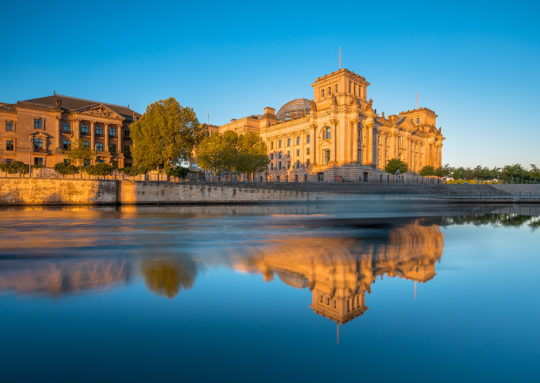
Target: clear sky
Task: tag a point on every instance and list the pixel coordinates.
(475, 63)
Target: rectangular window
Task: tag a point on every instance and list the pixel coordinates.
(272, 145)
(279, 155)
(99, 130)
(307, 162)
(288, 142)
(9, 145)
(38, 123)
(99, 147)
(99, 160)
(112, 131)
(66, 144)
(297, 152)
(297, 140)
(326, 156)
(38, 161)
(271, 156)
(112, 148)
(417, 120)
(308, 150)
(38, 144)
(271, 165)
(279, 165)
(288, 154)
(288, 164)
(307, 139)
(85, 128)
(67, 127)
(9, 126)
(279, 143)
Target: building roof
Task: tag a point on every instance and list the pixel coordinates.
(74, 103)
(294, 109)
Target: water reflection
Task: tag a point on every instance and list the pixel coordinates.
(336, 256)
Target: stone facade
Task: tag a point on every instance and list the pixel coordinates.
(39, 130)
(338, 136)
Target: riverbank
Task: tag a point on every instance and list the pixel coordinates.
(50, 191)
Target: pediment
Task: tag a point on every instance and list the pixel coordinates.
(100, 110)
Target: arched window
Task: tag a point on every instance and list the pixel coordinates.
(327, 134)
(329, 91)
(322, 92)
(336, 88)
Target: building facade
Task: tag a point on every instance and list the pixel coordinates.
(339, 136)
(40, 130)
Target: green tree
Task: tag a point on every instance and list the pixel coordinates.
(427, 171)
(534, 173)
(252, 157)
(165, 135)
(78, 152)
(209, 153)
(514, 173)
(394, 165)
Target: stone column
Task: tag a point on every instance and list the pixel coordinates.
(314, 145)
(334, 138)
(76, 129)
(374, 147)
(354, 146)
(58, 140)
(106, 133)
(92, 136)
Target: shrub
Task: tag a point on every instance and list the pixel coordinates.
(178, 171)
(63, 168)
(396, 164)
(99, 170)
(132, 171)
(15, 167)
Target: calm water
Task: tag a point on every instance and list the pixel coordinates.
(371, 289)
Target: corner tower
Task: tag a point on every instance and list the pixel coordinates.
(343, 85)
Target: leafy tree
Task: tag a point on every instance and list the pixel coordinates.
(99, 169)
(15, 167)
(78, 152)
(209, 153)
(178, 171)
(252, 157)
(165, 135)
(534, 173)
(514, 173)
(427, 171)
(394, 165)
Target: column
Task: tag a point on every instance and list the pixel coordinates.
(106, 133)
(374, 147)
(92, 136)
(314, 146)
(120, 151)
(354, 147)
(76, 130)
(58, 140)
(335, 140)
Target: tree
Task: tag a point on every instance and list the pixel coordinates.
(165, 135)
(514, 173)
(252, 157)
(394, 165)
(534, 173)
(427, 171)
(78, 152)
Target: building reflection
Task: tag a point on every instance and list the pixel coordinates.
(339, 271)
(62, 277)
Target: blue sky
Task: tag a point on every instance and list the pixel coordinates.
(475, 63)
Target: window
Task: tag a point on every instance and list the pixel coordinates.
(9, 160)
(288, 164)
(85, 128)
(297, 165)
(355, 89)
(322, 92)
(271, 144)
(417, 120)
(67, 127)
(67, 144)
(99, 147)
(99, 130)
(336, 88)
(350, 87)
(279, 165)
(326, 156)
(288, 142)
(297, 152)
(112, 148)
(308, 151)
(307, 162)
(297, 140)
(38, 161)
(279, 155)
(86, 143)
(9, 145)
(412, 121)
(279, 143)
(9, 126)
(288, 154)
(99, 160)
(308, 139)
(112, 131)
(271, 166)
(38, 123)
(126, 149)
(38, 144)
(271, 156)
(327, 133)
(86, 162)
(126, 134)
(329, 91)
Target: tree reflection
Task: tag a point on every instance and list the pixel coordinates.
(167, 276)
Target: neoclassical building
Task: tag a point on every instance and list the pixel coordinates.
(339, 136)
(40, 129)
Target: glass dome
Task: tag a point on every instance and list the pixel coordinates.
(294, 109)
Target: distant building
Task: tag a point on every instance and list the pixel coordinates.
(339, 136)
(40, 129)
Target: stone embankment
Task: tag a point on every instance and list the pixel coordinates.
(43, 191)
(47, 191)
